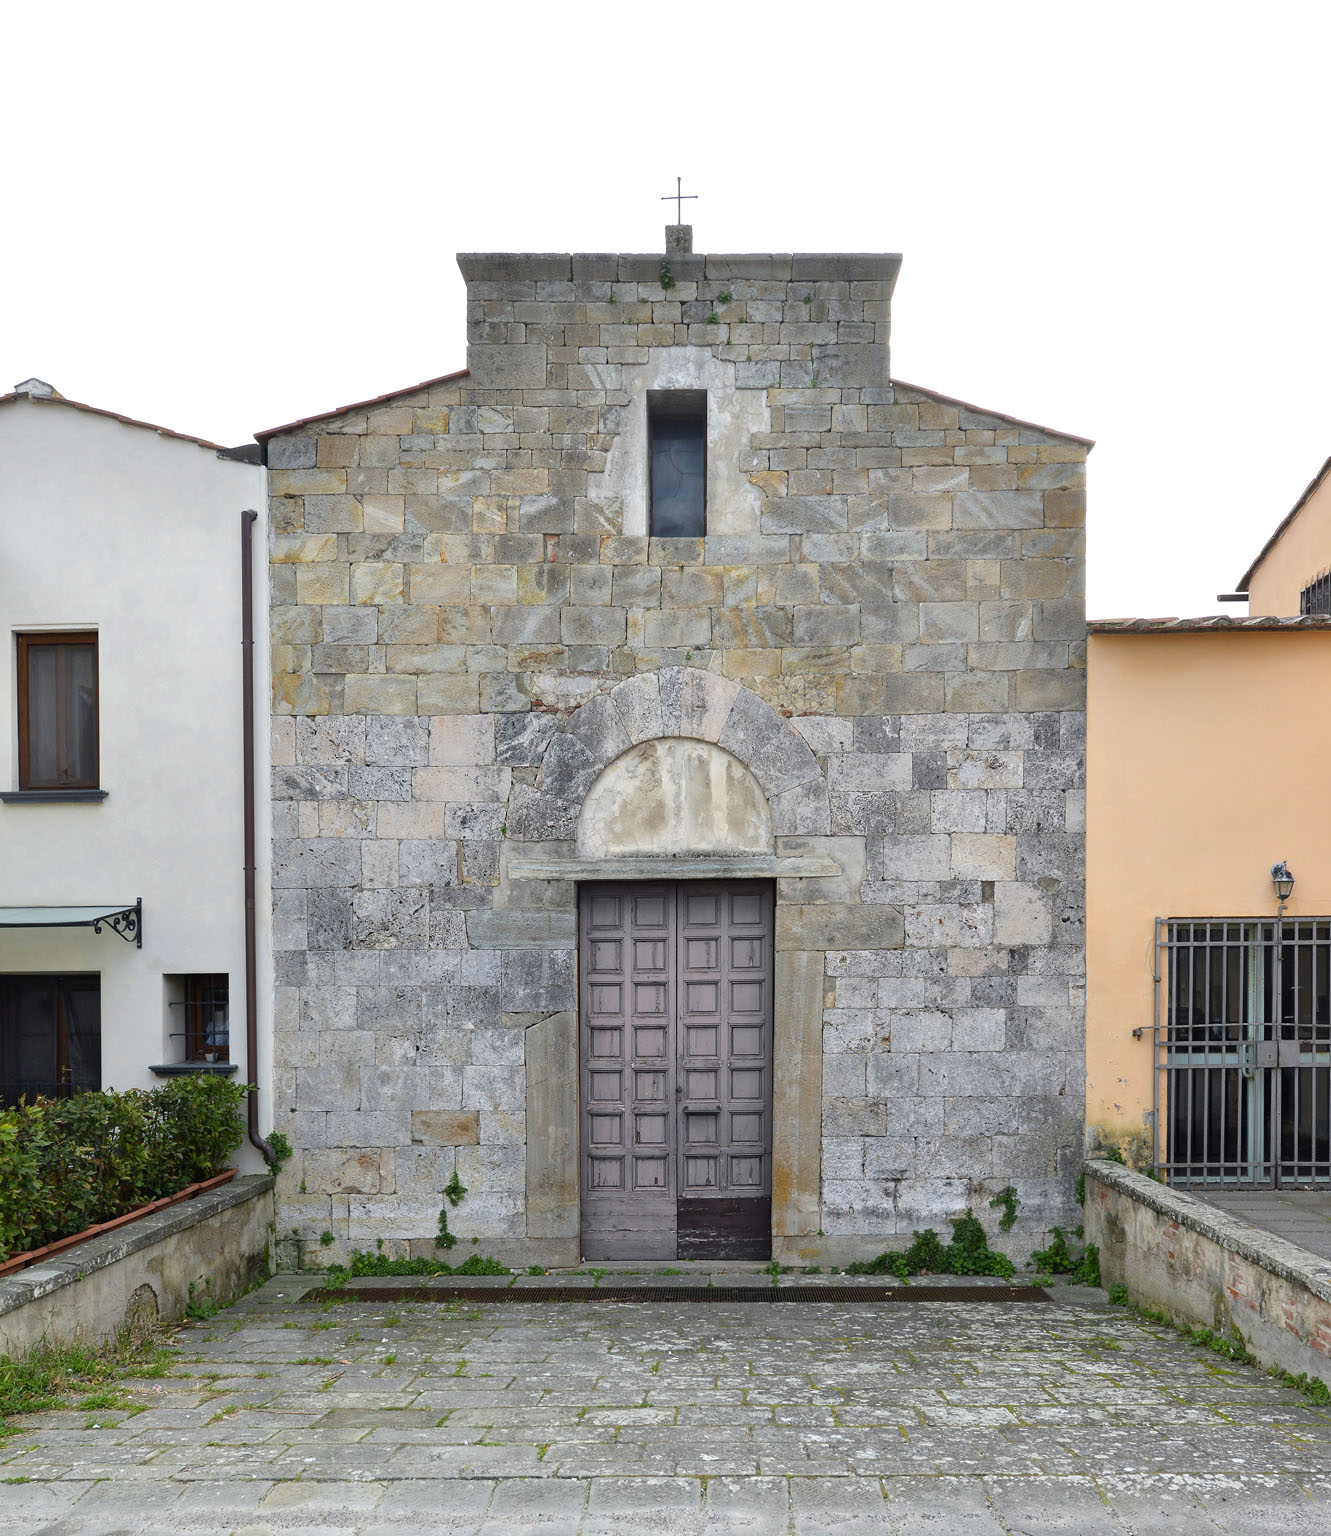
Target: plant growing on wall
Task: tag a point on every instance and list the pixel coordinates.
(454, 1190)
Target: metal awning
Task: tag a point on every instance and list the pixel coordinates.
(123, 918)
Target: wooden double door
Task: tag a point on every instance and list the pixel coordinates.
(675, 1049)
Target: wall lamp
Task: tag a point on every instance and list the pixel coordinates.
(1283, 881)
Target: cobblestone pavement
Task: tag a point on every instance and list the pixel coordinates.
(619, 1419)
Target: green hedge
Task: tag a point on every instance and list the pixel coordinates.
(66, 1164)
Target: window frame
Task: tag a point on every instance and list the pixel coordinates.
(61, 984)
(202, 989)
(26, 640)
(676, 405)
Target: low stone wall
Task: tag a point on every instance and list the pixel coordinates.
(1202, 1267)
(219, 1242)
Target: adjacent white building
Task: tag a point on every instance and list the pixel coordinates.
(122, 830)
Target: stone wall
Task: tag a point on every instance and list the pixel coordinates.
(470, 621)
(1203, 1267)
(213, 1247)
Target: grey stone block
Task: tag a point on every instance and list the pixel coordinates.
(396, 741)
(521, 739)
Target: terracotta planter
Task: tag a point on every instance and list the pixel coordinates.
(36, 1255)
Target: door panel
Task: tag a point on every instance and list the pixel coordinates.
(725, 1195)
(676, 1064)
(627, 1054)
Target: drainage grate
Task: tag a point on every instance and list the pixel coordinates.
(695, 1293)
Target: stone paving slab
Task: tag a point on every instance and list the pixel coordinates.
(1300, 1216)
(364, 1418)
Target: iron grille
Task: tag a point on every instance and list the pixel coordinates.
(1243, 1051)
(1316, 596)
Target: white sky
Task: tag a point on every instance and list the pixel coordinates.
(220, 218)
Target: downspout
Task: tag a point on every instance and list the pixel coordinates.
(247, 521)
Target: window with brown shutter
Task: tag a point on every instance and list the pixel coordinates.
(57, 711)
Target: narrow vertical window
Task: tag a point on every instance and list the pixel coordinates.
(677, 432)
(206, 1006)
(57, 711)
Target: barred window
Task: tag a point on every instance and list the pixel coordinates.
(1316, 596)
(1246, 1055)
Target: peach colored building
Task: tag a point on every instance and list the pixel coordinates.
(1208, 1048)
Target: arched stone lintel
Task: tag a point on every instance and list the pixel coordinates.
(679, 702)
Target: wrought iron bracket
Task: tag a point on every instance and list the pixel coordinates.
(128, 924)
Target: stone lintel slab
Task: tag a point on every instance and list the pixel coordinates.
(684, 867)
(516, 266)
(845, 267)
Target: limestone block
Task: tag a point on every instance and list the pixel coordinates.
(306, 482)
(516, 366)
(998, 509)
(746, 626)
(567, 769)
(599, 729)
(440, 695)
(472, 784)
(1021, 915)
(333, 514)
(346, 818)
(968, 769)
(390, 919)
(869, 771)
(804, 514)
(380, 695)
(933, 926)
(435, 583)
(913, 693)
(1052, 688)
(428, 861)
(802, 810)
(537, 817)
(504, 693)
(822, 927)
(691, 587)
(521, 739)
(317, 584)
(638, 703)
(917, 857)
(436, 1128)
(983, 856)
(677, 627)
(302, 548)
(593, 626)
(314, 862)
(463, 740)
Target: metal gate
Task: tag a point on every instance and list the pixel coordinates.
(1242, 1037)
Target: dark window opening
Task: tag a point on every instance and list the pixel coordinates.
(57, 711)
(1316, 596)
(50, 1036)
(677, 431)
(200, 1016)
(1244, 1069)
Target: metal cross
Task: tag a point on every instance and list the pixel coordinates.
(677, 197)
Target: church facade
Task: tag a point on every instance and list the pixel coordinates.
(678, 782)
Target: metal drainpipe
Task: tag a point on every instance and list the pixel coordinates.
(247, 521)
